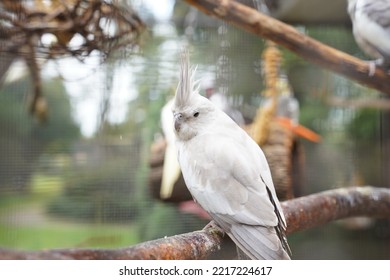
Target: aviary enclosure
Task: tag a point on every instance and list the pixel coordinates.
(83, 83)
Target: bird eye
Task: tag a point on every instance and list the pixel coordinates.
(196, 114)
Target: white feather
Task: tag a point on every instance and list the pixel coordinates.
(371, 26)
(371, 30)
(227, 173)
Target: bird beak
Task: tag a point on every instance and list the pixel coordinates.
(178, 120)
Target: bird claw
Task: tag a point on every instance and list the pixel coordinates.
(378, 63)
(213, 227)
(371, 68)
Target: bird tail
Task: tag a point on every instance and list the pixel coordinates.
(258, 242)
(254, 242)
(281, 226)
(241, 255)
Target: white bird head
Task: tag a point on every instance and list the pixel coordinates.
(191, 111)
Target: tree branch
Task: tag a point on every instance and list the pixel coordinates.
(301, 213)
(285, 35)
(319, 209)
(358, 103)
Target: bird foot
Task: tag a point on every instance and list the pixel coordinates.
(371, 68)
(214, 228)
(384, 64)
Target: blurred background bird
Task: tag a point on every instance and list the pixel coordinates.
(287, 110)
(171, 168)
(371, 29)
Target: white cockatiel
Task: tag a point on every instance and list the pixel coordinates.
(227, 172)
(371, 28)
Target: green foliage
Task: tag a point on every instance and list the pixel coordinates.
(22, 139)
(365, 126)
(34, 230)
(60, 129)
(103, 193)
(339, 37)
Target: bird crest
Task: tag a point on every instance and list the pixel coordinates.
(187, 87)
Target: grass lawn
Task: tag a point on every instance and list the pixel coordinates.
(43, 187)
(25, 225)
(66, 236)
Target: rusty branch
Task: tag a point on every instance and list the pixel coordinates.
(319, 209)
(285, 35)
(301, 213)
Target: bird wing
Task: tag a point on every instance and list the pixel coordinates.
(371, 26)
(376, 32)
(379, 11)
(228, 179)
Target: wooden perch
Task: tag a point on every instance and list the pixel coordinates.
(289, 37)
(318, 209)
(301, 213)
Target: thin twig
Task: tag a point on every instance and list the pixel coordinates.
(358, 103)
